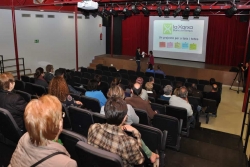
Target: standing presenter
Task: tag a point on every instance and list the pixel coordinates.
(138, 57)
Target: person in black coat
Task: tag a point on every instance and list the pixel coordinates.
(138, 59)
(10, 101)
(49, 73)
(214, 94)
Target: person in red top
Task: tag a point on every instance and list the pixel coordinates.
(151, 58)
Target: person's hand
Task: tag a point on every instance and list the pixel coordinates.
(129, 128)
(78, 102)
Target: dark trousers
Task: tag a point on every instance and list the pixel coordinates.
(138, 66)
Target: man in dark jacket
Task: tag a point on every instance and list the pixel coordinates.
(10, 101)
(214, 94)
(138, 59)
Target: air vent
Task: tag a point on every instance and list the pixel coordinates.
(51, 16)
(70, 17)
(79, 17)
(25, 15)
(39, 16)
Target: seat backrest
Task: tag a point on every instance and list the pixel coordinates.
(81, 120)
(161, 101)
(39, 90)
(87, 75)
(149, 74)
(170, 77)
(77, 79)
(66, 119)
(83, 69)
(19, 85)
(25, 78)
(154, 139)
(112, 69)
(107, 73)
(170, 124)
(116, 74)
(181, 79)
(179, 113)
(69, 140)
(29, 88)
(124, 76)
(124, 81)
(104, 78)
(160, 76)
(157, 88)
(25, 95)
(165, 82)
(200, 87)
(98, 72)
(84, 81)
(123, 71)
(82, 90)
(192, 80)
(133, 77)
(90, 70)
(95, 157)
(151, 99)
(75, 97)
(140, 74)
(131, 72)
(91, 104)
(160, 108)
(77, 74)
(110, 79)
(143, 116)
(8, 126)
(210, 104)
(157, 81)
(99, 66)
(99, 118)
(204, 82)
(105, 68)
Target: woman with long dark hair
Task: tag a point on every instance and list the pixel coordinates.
(39, 77)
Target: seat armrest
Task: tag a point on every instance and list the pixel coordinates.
(164, 140)
(181, 123)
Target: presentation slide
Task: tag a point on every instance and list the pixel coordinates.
(178, 38)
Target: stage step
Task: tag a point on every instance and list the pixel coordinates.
(97, 60)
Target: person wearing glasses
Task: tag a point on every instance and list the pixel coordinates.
(44, 123)
(11, 101)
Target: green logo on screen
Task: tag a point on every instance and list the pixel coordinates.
(167, 28)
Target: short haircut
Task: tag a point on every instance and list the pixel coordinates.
(49, 68)
(137, 91)
(149, 86)
(194, 86)
(183, 93)
(5, 80)
(59, 72)
(116, 91)
(42, 118)
(151, 52)
(59, 88)
(151, 79)
(212, 81)
(150, 66)
(93, 84)
(98, 78)
(39, 72)
(168, 90)
(215, 87)
(115, 110)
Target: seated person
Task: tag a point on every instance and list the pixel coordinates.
(167, 92)
(39, 80)
(151, 79)
(159, 71)
(128, 89)
(208, 88)
(44, 123)
(214, 94)
(95, 93)
(182, 101)
(143, 94)
(149, 88)
(112, 136)
(136, 102)
(150, 68)
(59, 88)
(49, 73)
(10, 101)
(195, 91)
(117, 81)
(117, 91)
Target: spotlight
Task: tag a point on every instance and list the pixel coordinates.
(113, 12)
(135, 10)
(176, 11)
(197, 12)
(159, 11)
(145, 11)
(231, 11)
(127, 12)
(166, 11)
(186, 11)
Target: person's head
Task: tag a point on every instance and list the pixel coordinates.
(115, 81)
(59, 73)
(149, 86)
(150, 66)
(59, 88)
(39, 72)
(194, 86)
(183, 92)
(151, 79)
(139, 80)
(116, 91)
(212, 81)
(98, 78)
(168, 90)
(150, 52)
(7, 81)
(49, 68)
(138, 49)
(177, 92)
(93, 85)
(158, 67)
(116, 111)
(247, 64)
(43, 119)
(214, 88)
(137, 88)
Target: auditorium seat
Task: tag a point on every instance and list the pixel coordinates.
(143, 116)
(116, 74)
(124, 75)
(181, 79)
(82, 90)
(99, 118)
(151, 99)
(104, 78)
(159, 107)
(90, 70)
(165, 82)
(123, 71)
(25, 78)
(32, 80)
(8, 126)
(188, 84)
(29, 88)
(99, 66)
(19, 85)
(140, 74)
(160, 76)
(192, 80)
(81, 120)
(26, 96)
(161, 101)
(211, 105)
(99, 72)
(84, 81)
(39, 90)
(112, 69)
(87, 75)
(91, 104)
(91, 156)
(66, 119)
(110, 79)
(170, 77)
(78, 74)
(105, 68)
(77, 79)
(157, 81)
(172, 126)
(83, 69)
(75, 97)
(133, 78)
(200, 87)
(157, 88)
(131, 72)
(150, 74)
(204, 82)
(107, 73)
(124, 82)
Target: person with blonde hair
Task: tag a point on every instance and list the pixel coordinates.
(149, 88)
(11, 101)
(116, 91)
(59, 88)
(43, 119)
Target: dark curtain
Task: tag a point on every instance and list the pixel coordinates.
(226, 40)
(135, 34)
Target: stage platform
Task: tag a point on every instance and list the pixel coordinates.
(187, 69)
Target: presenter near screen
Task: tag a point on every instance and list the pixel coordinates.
(138, 59)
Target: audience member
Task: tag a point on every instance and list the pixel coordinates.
(49, 73)
(214, 94)
(144, 94)
(95, 93)
(149, 89)
(177, 92)
(136, 102)
(39, 80)
(150, 68)
(195, 91)
(44, 123)
(116, 91)
(167, 93)
(151, 58)
(182, 101)
(117, 81)
(112, 136)
(59, 88)
(159, 71)
(178, 84)
(151, 80)
(10, 101)
(208, 88)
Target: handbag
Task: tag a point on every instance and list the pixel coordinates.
(47, 157)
